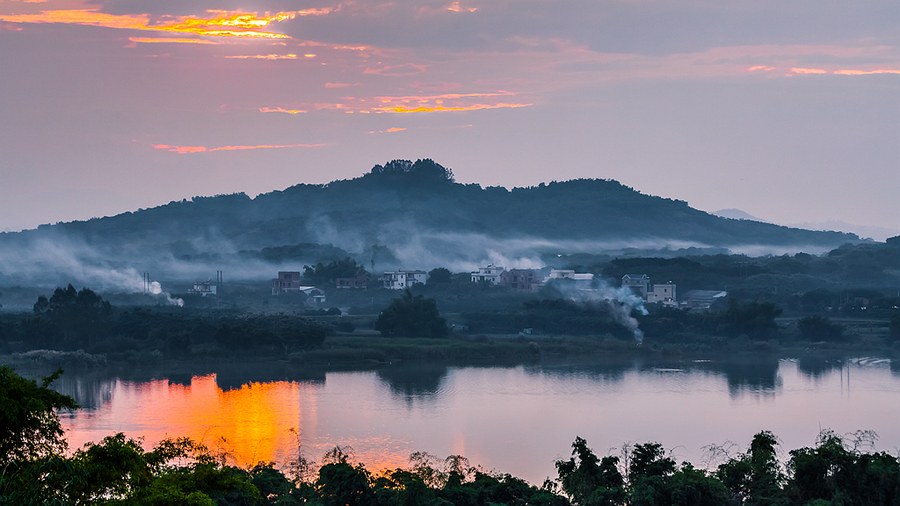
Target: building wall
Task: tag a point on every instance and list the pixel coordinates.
(662, 293)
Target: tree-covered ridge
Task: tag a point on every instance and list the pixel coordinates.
(421, 196)
(119, 471)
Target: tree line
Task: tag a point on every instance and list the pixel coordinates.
(80, 319)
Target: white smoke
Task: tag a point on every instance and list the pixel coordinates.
(156, 289)
(623, 302)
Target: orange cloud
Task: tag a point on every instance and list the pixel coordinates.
(760, 67)
(266, 56)
(796, 70)
(395, 129)
(164, 40)
(279, 109)
(448, 102)
(222, 24)
(474, 107)
(456, 8)
(183, 150)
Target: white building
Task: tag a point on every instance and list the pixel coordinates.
(582, 280)
(204, 288)
(398, 280)
(490, 273)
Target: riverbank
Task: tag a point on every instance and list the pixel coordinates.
(363, 350)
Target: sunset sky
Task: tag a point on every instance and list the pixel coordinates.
(788, 110)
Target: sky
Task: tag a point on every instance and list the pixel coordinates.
(786, 110)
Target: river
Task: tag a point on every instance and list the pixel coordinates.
(514, 420)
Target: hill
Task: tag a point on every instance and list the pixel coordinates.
(402, 214)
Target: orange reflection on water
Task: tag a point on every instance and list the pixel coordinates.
(250, 424)
(258, 422)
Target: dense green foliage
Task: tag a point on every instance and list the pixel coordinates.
(31, 429)
(412, 316)
(71, 321)
(555, 316)
(325, 274)
(817, 327)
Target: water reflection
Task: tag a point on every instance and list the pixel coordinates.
(90, 390)
(755, 377)
(817, 366)
(513, 419)
(415, 380)
(611, 371)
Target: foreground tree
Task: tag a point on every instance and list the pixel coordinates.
(589, 480)
(29, 426)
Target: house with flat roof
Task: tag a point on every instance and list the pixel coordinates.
(490, 273)
(525, 280)
(398, 280)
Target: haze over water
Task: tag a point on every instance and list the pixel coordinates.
(515, 420)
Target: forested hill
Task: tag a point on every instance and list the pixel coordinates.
(393, 203)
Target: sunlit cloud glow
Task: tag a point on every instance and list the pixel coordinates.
(449, 102)
(866, 72)
(183, 150)
(169, 40)
(439, 108)
(456, 8)
(222, 24)
(761, 68)
(265, 56)
(285, 111)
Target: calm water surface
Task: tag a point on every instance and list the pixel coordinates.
(515, 420)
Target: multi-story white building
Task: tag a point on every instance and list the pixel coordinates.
(490, 273)
(398, 280)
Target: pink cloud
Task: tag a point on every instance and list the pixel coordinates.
(183, 150)
(406, 69)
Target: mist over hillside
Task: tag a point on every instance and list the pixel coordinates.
(399, 215)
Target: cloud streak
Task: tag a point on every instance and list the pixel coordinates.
(449, 102)
(184, 150)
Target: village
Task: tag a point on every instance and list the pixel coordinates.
(520, 280)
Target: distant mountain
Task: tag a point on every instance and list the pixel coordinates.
(402, 214)
(875, 233)
(736, 214)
